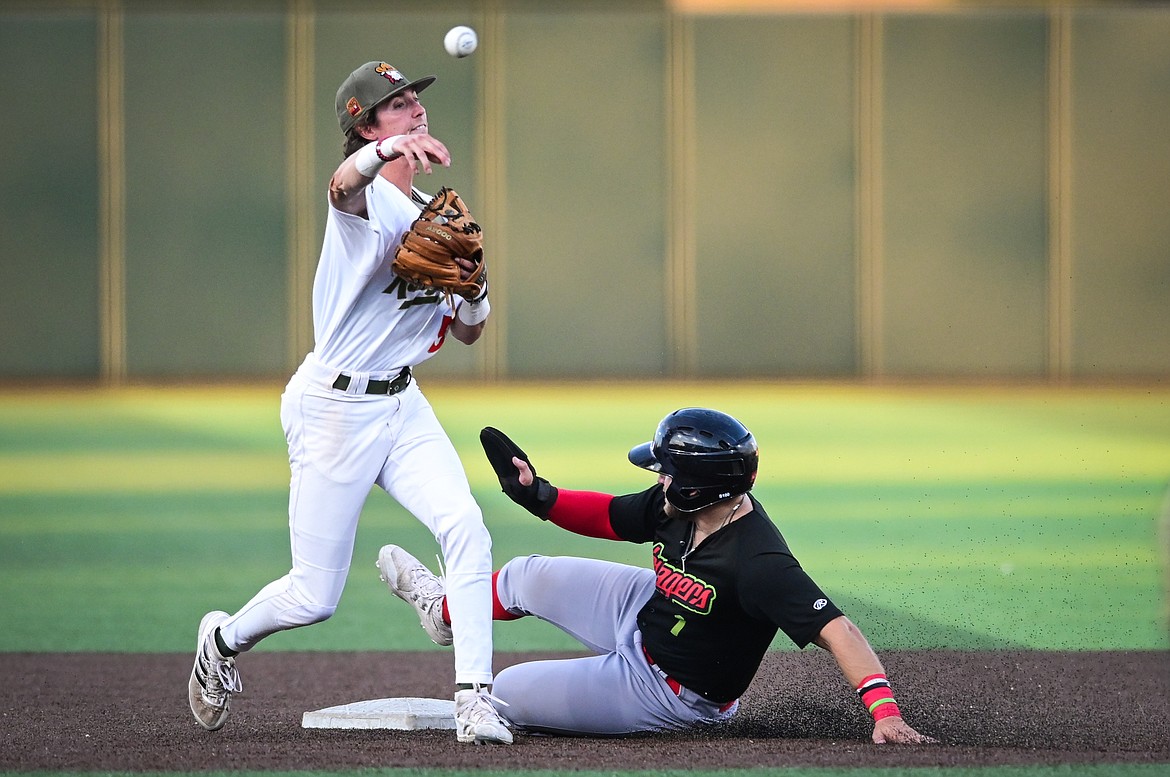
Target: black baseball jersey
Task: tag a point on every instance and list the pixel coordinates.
(713, 616)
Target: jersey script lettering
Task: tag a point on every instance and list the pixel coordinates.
(411, 294)
(689, 591)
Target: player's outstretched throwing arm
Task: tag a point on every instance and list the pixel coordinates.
(347, 187)
(581, 512)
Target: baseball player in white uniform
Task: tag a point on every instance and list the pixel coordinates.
(354, 415)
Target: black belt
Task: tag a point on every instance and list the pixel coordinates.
(377, 386)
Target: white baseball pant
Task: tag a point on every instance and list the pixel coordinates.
(340, 444)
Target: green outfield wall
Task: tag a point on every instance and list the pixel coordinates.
(974, 192)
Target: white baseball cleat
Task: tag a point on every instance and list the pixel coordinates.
(416, 585)
(476, 718)
(213, 677)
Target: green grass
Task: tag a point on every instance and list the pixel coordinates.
(962, 518)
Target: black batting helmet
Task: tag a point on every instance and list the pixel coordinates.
(708, 455)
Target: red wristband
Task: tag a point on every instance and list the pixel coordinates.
(889, 709)
(877, 698)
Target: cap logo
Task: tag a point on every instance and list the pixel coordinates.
(353, 106)
(390, 73)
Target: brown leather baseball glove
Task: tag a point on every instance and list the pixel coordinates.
(443, 232)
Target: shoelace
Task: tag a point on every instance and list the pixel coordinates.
(483, 705)
(225, 679)
(486, 695)
(425, 585)
(229, 676)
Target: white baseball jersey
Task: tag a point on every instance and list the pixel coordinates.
(366, 318)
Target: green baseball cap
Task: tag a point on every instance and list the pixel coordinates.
(369, 85)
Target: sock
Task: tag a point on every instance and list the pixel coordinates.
(498, 611)
(223, 649)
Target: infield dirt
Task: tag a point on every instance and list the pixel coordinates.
(128, 712)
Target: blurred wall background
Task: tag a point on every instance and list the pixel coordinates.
(938, 191)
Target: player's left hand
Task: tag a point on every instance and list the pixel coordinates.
(517, 476)
(894, 730)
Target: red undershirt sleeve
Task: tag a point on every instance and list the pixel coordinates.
(583, 512)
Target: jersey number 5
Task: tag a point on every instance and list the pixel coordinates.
(442, 334)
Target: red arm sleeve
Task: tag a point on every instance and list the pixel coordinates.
(583, 512)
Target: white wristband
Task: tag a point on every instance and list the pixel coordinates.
(370, 158)
(472, 313)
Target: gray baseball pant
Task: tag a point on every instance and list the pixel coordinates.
(616, 691)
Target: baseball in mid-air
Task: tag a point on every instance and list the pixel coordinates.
(460, 41)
